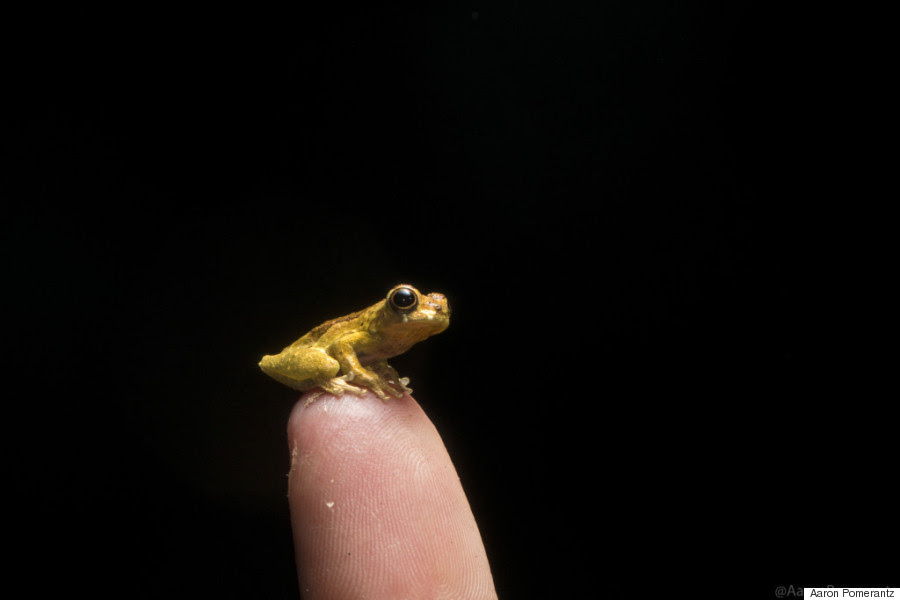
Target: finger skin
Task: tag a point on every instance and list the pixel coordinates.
(377, 508)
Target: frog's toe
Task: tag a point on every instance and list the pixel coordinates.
(378, 390)
(339, 385)
(312, 396)
(400, 387)
(396, 388)
(353, 389)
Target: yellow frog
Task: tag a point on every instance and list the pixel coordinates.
(362, 339)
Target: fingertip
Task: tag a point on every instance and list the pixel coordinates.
(375, 498)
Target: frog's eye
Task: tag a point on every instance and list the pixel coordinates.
(403, 300)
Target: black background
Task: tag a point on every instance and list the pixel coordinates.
(611, 195)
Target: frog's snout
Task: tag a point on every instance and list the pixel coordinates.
(438, 302)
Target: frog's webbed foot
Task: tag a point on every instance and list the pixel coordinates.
(336, 386)
(339, 385)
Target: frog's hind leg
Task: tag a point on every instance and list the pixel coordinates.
(300, 368)
(339, 385)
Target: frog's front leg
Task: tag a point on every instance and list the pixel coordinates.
(355, 372)
(399, 385)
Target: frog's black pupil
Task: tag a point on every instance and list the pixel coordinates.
(403, 298)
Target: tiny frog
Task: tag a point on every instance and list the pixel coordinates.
(357, 346)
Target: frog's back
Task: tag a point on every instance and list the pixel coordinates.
(316, 335)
